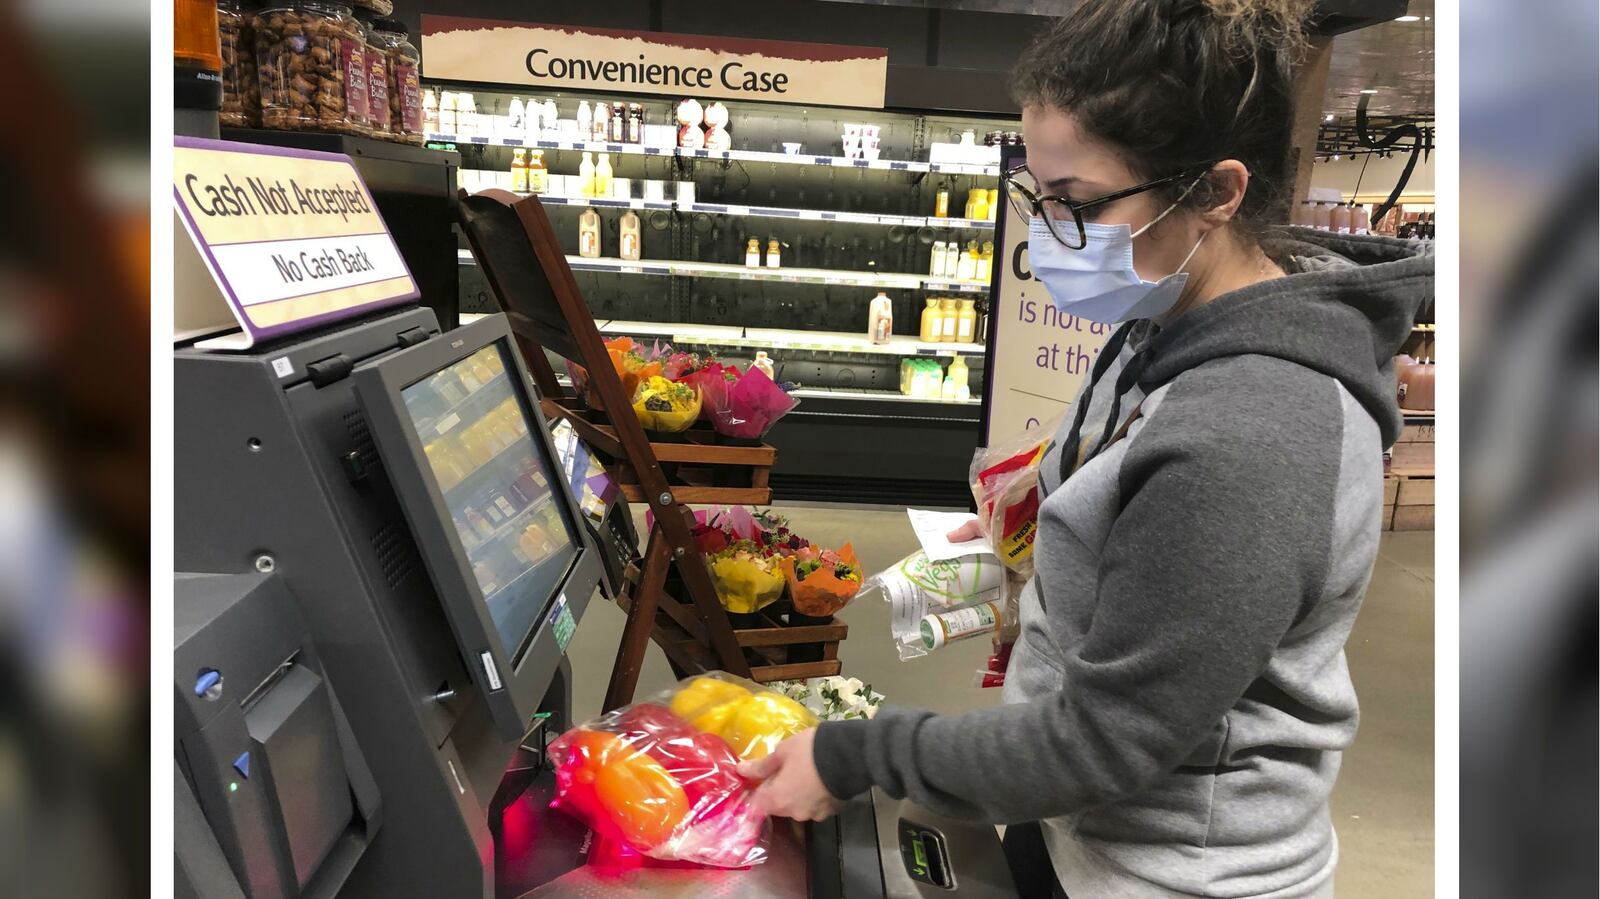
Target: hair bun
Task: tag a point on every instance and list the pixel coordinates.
(1278, 24)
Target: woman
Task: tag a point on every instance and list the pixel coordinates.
(1178, 701)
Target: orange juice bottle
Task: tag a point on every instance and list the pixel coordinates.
(480, 366)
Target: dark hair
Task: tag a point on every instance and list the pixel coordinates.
(1173, 84)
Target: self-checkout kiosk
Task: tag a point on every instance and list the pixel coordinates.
(381, 565)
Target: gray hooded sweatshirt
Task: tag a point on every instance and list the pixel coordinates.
(1177, 702)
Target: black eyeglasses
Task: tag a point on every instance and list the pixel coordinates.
(1064, 217)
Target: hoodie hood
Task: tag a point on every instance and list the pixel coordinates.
(1347, 305)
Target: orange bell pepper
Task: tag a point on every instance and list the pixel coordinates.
(643, 801)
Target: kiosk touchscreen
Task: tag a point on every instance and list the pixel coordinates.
(470, 458)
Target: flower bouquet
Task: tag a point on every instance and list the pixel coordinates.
(742, 405)
(833, 698)
(666, 406)
(774, 533)
(632, 362)
(822, 583)
(747, 578)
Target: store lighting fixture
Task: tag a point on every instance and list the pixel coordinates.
(1408, 19)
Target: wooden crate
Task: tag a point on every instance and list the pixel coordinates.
(1413, 510)
(1414, 449)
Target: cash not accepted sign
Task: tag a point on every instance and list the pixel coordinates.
(290, 238)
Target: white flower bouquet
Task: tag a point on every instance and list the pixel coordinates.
(832, 698)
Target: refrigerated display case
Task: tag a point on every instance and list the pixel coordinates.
(849, 220)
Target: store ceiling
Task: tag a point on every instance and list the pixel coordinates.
(1394, 59)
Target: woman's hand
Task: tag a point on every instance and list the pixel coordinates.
(968, 531)
(791, 786)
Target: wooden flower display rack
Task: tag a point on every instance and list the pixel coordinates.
(668, 593)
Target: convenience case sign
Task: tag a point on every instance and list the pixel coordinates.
(291, 237)
(650, 62)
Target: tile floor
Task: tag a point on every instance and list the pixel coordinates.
(1383, 804)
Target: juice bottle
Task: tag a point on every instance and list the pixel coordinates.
(474, 446)
(986, 261)
(880, 318)
(586, 171)
(538, 172)
(504, 431)
(764, 364)
(602, 176)
(936, 260)
(980, 205)
(931, 327)
(966, 322)
(947, 388)
(589, 234)
(949, 320)
(463, 371)
(519, 171)
(628, 236)
(994, 201)
(479, 365)
(958, 376)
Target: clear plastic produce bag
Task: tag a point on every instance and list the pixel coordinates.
(1004, 479)
(661, 776)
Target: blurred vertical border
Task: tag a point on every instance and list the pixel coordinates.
(1529, 524)
(75, 450)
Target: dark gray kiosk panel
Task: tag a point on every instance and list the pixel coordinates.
(284, 467)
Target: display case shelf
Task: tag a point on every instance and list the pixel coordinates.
(692, 269)
(888, 165)
(800, 215)
(784, 339)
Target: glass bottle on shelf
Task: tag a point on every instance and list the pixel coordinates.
(538, 172)
(752, 253)
(952, 254)
(947, 385)
(773, 260)
(514, 116)
(994, 201)
(941, 203)
(966, 322)
(519, 171)
(589, 234)
(986, 261)
(931, 326)
(602, 176)
(597, 131)
(763, 363)
(949, 319)
(585, 121)
(586, 172)
(628, 238)
(936, 260)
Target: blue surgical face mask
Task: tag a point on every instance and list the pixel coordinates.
(1099, 282)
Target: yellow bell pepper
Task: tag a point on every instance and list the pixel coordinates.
(763, 721)
(752, 723)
